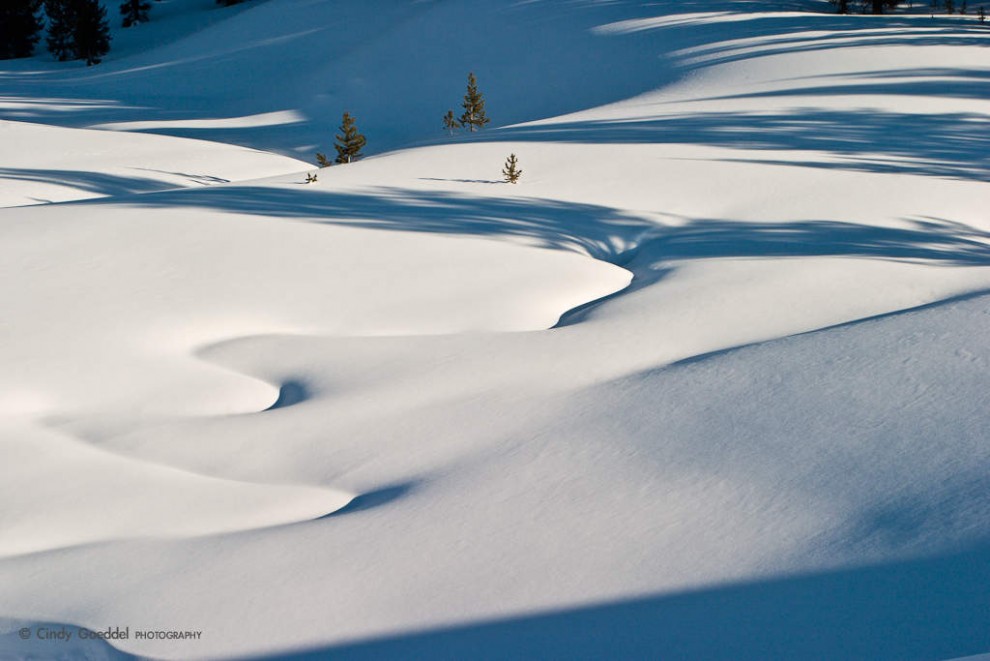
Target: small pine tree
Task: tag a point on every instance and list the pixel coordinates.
(92, 33)
(349, 141)
(62, 21)
(450, 122)
(510, 171)
(311, 178)
(983, 14)
(19, 27)
(322, 160)
(134, 12)
(474, 107)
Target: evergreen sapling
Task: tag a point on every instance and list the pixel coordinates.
(349, 141)
(474, 116)
(450, 122)
(510, 171)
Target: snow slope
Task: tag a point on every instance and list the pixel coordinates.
(44, 164)
(710, 382)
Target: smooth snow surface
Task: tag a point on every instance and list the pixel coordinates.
(710, 382)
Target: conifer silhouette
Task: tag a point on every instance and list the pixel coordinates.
(19, 27)
(62, 18)
(92, 33)
(134, 12)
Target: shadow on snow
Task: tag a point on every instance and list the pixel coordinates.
(932, 608)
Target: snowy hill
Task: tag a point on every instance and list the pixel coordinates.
(709, 382)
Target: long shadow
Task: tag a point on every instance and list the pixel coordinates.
(927, 609)
(770, 36)
(930, 241)
(603, 232)
(951, 145)
(941, 82)
(90, 182)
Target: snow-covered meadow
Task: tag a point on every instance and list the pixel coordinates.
(710, 382)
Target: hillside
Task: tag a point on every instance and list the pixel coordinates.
(710, 382)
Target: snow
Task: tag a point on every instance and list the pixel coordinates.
(709, 382)
(43, 164)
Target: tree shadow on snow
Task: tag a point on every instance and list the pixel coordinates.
(949, 145)
(632, 241)
(97, 183)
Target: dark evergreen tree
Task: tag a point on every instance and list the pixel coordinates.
(19, 27)
(474, 107)
(983, 14)
(62, 19)
(322, 160)
(450, 122)
(349, 141)
(510, 171)
(92, 35)
(134, 11)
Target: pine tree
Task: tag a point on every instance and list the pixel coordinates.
(474, 107)
(510, 171)
(61, 28)
(322, 160)
(134, 11)
(19, 27)
(983, 14)
(450, 122)
(92, 34)
(349, 144)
